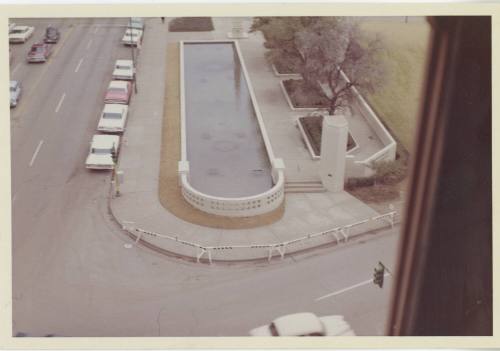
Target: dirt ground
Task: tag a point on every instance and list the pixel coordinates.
(169, 191)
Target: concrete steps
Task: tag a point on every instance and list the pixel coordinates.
(304, 187)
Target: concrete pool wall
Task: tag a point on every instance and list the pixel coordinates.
(241, 181)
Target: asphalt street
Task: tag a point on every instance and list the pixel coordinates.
(73, 274)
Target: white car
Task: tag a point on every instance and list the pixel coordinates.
(305, 324)
(113, 118)
(20, 34)
(124, 70)
(136, 23)
(132, 37)
(103, 152)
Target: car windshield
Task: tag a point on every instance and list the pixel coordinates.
(19, 31)
(123, 67)
(117, 90)
(273, 330)
(101, 151)
(112, 115)
(131, 34)
(13, 88)
(37, 49)
(51, 31)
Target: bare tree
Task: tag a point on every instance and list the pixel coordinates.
(326, 51)
(337, 57)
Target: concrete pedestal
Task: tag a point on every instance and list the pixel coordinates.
(333, 152)
(237, 31)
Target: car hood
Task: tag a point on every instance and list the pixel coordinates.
(95, 159)
(128, 38)
(122, 72)
(111, 123)
(261, 331)
(35, 54)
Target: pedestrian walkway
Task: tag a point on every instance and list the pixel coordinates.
(139, 205)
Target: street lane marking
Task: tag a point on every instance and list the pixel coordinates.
(15, 68)
(36, 152)
(45, 69)
(338, 292)
(79, 64)
(89, 43)
(60, 102)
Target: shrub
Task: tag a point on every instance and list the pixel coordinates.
(390, 172)
(353, 183)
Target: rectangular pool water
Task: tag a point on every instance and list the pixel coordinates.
(225, 149)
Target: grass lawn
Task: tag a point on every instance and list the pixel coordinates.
(398, 100)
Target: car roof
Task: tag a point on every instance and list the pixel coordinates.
(114, 108)
(21, 27)
(118, 84)
(104, 141)
(298, 324)
(133, 30)
(123, 62)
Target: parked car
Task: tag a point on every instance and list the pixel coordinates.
(118, 92)
(20, 34)
(113, 118)
(136, 23)
(132, 37)
(305, 324)
(15, 92)
(124, 70)
(39, 52)
(52, 35)
(103, 152)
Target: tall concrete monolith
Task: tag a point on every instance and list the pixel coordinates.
(333, 152)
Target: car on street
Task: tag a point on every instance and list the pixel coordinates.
(305, 324)
(52, 35)
(113, 118)
(103, 152)
(119, 92)
(20, 34)
(39, 52)
(136, 23)
(132, 37)
(15, 92)
(124, 70)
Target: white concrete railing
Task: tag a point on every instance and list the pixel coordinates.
(231, 207)
(388, 152)
(335, 235)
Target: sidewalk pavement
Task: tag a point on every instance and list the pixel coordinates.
(139, 206)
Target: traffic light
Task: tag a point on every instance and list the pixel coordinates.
(378, 275)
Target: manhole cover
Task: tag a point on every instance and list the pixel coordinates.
(225, 145)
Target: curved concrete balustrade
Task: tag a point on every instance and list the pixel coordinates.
(219, 183)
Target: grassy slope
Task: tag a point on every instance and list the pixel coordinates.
(398, 100)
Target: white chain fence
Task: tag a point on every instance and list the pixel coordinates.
(336, 235)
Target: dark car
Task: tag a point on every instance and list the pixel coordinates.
(39, 52)
(51, 35)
